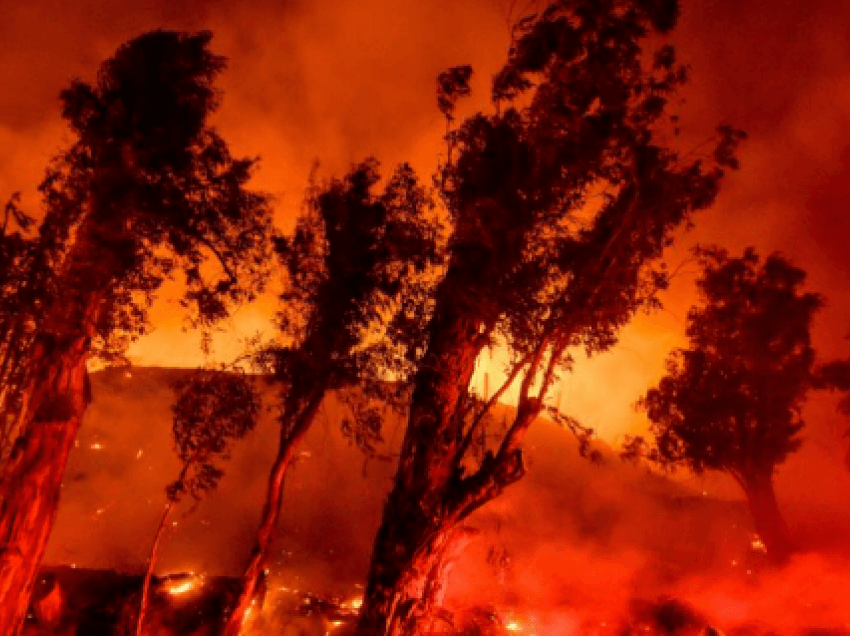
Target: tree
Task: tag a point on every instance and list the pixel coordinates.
(356, 271)
(731, 400)
(559, 199)
(835, 376)
(213, 410)
(146, 190)
(18, 275)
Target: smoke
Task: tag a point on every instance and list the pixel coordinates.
(598, 549)
(337, 80)
(570, 547)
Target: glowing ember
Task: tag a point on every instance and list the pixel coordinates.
(96, 446)
(758, 545)
(181, 588)
(355, 603)
(513, 626)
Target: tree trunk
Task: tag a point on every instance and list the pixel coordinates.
(146, 582)
(296, 420)
(419, 593)
(769, 523)
(32, 477)
(417, 520)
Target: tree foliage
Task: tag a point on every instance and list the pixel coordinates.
(357, 273)
(213, 410)
(358, 270)
(560, 198)
(146, 191)
(731, 400)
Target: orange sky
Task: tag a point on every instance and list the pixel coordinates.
(337, 80)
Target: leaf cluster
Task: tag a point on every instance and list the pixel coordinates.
(562, 196)
(149, 189)
(213, 410)
(732, 399)
(356, 278)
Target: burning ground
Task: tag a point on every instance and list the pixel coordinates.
(575, 548)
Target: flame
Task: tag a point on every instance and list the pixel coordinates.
(758, 545)
(179, 588)
(182, 588)
(355, 603)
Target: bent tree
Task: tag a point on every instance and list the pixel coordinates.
(560, 198)
(146, 190)
(214, 409)
(356, 271)
(731, 400)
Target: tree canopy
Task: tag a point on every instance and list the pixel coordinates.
(732, 399)
(146, 191)
(560, 197)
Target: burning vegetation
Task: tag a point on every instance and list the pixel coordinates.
(375, 489)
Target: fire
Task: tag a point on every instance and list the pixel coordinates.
(355, 603)
(758, 545)
(181, 588)
(178, 588)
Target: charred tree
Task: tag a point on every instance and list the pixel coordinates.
(560, 200)
(731, 401)
(356, 275)
(148, 190)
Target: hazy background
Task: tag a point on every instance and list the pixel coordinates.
(336, 80)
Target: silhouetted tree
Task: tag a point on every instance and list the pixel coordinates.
(558, 199)
(356, 275)
(146, 190)
(835, 376)
(18, 251)
(731, 400)
(213, 410)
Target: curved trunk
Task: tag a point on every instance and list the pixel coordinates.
(413, 604)
(298, 416)
(769, 523)
(32, 477)
(413, 553)
(417, 517)
(146, 582)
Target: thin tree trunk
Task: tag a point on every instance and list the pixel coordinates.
(146, 582)
(298, 415)
(32, 477)
(769, 523)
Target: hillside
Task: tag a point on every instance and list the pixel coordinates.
(571, 538)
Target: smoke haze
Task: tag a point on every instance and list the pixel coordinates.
(572, 545)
